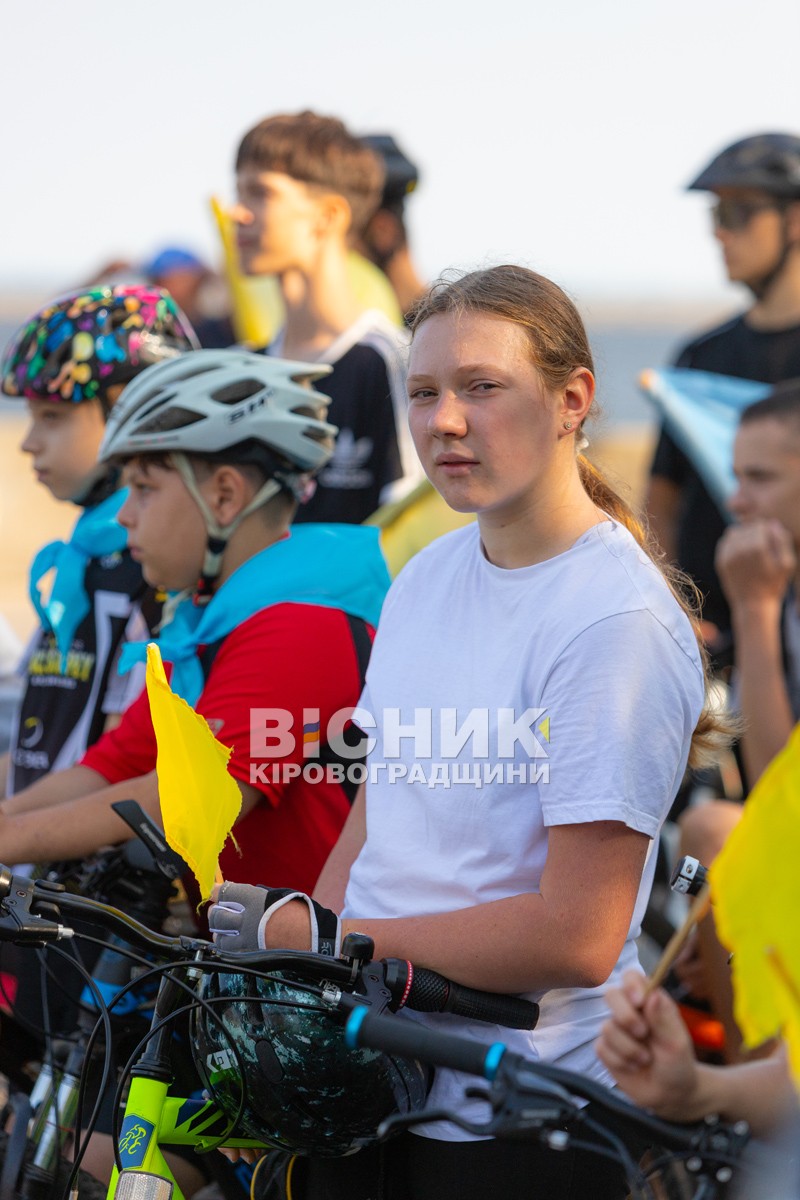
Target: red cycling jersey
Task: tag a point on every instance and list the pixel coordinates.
(290, 657)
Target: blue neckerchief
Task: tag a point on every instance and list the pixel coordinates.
(335, 566)
(97, 532)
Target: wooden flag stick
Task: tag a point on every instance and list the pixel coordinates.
(696, 913)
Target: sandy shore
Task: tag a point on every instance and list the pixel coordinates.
(29, 516)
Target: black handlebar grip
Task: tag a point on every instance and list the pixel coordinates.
(409, 1039)
(431, 992)
(428, 991)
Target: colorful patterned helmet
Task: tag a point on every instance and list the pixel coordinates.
(301, 1089)
(81, 345)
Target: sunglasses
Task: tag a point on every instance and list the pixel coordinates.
(736, 215)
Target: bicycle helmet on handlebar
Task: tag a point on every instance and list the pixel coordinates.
(83, 344)
(303, 1090)
(227, 406)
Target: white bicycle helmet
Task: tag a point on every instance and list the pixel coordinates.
(229, 406)
(213, 400)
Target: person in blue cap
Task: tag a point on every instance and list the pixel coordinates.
(187, 278)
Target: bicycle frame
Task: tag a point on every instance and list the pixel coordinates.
(152, 1120)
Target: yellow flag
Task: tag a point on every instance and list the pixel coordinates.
(257, 305)
(200, 801)
(755, 888)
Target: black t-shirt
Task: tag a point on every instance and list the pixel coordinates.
(368, 405)
(737, 349)
(367, 456)
(63, 714)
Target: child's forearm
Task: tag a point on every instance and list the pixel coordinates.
(760, 1093)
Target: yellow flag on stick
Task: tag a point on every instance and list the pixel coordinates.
(755, 888)
(200, 801)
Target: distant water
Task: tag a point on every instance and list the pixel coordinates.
(621, 353)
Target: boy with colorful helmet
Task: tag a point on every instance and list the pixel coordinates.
(270, 646)
(69, 362)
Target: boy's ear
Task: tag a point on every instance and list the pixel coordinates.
(336, 216)
(228, 490)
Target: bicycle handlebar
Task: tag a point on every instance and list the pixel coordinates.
(409, 1039)
(526, 1077)
(396, 982)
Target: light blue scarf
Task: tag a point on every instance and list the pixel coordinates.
(335, 566)
(97, 533)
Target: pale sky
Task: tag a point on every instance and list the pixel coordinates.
(559, 136)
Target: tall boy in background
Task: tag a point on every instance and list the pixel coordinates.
(306, 189)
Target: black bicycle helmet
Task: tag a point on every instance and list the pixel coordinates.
(303, 1090)
(401, 174)
(769, 162)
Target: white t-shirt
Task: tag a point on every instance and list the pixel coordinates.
(593, 659)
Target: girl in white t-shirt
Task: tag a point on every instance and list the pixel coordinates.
(535, 691)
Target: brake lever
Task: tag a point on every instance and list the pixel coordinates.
(400, 1121)
(18, 923)
(520, 1114)
(545, 1107)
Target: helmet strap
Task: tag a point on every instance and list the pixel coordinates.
(218, 535)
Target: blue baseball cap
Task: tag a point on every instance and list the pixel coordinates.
(173, 258)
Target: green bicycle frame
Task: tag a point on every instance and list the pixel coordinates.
(152, 1120)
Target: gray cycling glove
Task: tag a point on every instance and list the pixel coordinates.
(239, 919)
